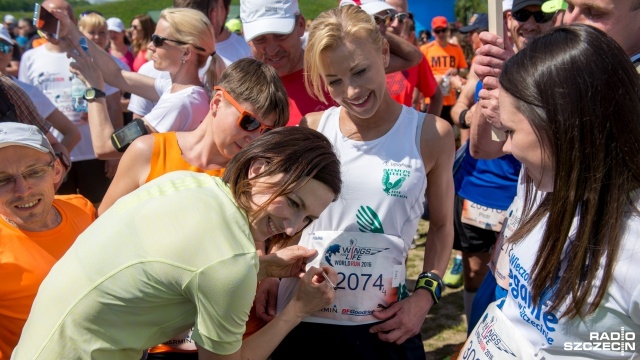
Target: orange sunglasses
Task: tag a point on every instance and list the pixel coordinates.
(246, 120)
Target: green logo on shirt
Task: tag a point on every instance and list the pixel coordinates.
(392, 180)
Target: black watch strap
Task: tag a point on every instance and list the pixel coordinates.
(431, 282)
(97, 93)
(462, 119)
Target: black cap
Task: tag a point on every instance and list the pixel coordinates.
(521, 4)
(477, 22)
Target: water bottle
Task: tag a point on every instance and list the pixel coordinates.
(445, 85)
(78, 87)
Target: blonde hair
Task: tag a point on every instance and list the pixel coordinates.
(92, 21)
(329, 30)
(193, 27)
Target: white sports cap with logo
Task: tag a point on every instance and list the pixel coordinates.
(12, 133)
(372, 7)
(261, 17)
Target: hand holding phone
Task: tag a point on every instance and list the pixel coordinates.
(44, 21)
(121, 139)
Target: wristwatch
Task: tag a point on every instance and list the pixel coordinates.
(92, 93)
(431, 282)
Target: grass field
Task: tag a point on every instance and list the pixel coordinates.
(444, 328)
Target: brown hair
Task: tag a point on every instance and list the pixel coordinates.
(298, 153)
(147, 26)
(581, 95)
(251, 81)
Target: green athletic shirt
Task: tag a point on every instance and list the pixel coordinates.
(174, 254)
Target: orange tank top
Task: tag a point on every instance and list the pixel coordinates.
(167, 157)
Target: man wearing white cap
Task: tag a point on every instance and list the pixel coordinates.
(273, 29)
(36, 227)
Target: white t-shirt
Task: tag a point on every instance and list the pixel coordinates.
(44, 106)
(138, 104)
(141, 106)
(182, 110)
(232, 49)
(617, 315)
(49, 72)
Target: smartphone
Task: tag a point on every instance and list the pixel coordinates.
(121, 139)
(44, 21)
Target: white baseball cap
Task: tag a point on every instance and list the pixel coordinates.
(13, 133)
(507, 5)
(4, 34)
(372, 7)
(115, 24)
(9, 18)
(261, 17)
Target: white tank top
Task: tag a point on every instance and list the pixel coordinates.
(366, 234)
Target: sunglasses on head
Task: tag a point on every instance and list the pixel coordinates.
(439, 31)
(158, 41)
(539, 16)
(5, 48)
(246, 120)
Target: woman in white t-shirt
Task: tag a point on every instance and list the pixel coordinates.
(182, 42)
(570, 105)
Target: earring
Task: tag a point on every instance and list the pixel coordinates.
(183, 61)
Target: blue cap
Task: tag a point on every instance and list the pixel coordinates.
(477, 22)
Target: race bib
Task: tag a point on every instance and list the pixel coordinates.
(494, 337)
(371, 272)
(482, 216)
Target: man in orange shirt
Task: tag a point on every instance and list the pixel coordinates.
(446, 61)
(36, 227)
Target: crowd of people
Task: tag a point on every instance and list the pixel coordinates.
(282, 165)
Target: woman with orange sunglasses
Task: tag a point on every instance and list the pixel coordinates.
(249, 100)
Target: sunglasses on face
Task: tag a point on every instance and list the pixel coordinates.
(5, 48)
(158, 41)
(539, 16)
(439, 31)
(401, 17)
(246, 120)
